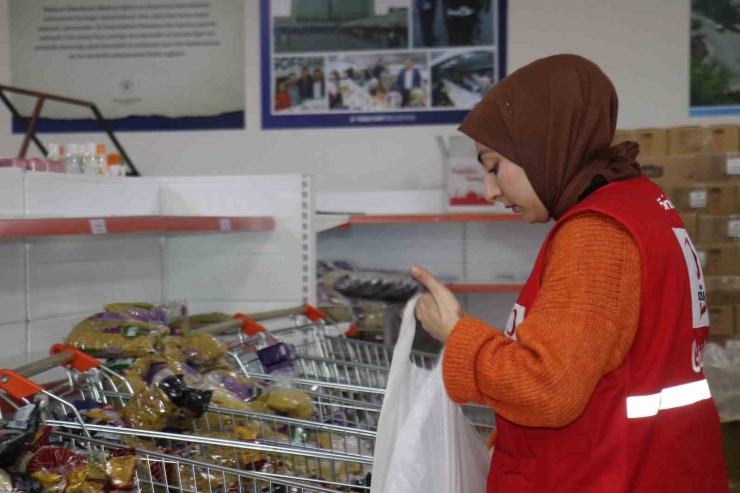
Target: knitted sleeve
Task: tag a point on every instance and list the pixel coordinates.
(580, 327)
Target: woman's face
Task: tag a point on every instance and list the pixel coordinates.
(507, 183)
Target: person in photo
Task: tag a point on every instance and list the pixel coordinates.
(319, 86)
(305, 85)
(282, 98)
(335, 92)
(427, 10)
(409, 78)
(293, 90)
(461, 20)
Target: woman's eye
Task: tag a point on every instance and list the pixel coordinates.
(494, 169)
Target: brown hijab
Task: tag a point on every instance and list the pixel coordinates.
(556, 119)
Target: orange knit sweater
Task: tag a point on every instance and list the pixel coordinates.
(580, 328)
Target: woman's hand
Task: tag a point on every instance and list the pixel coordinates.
(438, 310)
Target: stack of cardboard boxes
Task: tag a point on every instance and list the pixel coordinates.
(698, 168)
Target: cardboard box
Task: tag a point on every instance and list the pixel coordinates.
(723, 290)
(715, 139)
(721, 320)
(719, 260)
(690, 224)
(716, 199)
(653, 141)
(718, 229)
(724, 138)
(676, 171)
(623, 136)
(688, 140)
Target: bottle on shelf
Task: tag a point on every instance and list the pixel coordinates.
(55, 161)
(89, 159)
(101, 160)
(114, 165)
(74, 159)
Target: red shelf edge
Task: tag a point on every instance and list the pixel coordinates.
(485, 288)
(131, 224)
(432, 218)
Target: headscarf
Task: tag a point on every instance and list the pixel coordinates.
(556, 119)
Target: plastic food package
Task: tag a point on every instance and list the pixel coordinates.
(159, 371)
(244, 388)
(393, 287)
(20, 482)
(121, 468)
(418, 417)
(336, 306)
(116, 334)
(226, 400)
(166, 314)
(149, 409)
(722, 369)
(201, 348)
(294, 403)
(58, 469)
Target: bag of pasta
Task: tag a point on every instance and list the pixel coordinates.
(116, 334)
(224, 399)
(293, 403)
(169, 403)
(201, 348)
(244, 388)
(175, 312)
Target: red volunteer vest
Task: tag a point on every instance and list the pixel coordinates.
(651, 425)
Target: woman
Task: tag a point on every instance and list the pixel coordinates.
(597, 379)
(282, 98)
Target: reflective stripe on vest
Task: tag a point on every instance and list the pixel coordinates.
(642, 406)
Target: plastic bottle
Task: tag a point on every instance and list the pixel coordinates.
(114, 165)
(37, 164)
(56, 163)
(90, 159)
(74, 159)
(101, 160)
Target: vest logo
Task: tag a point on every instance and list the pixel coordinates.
(697, 356)
(516, 317)
(665, 202)
(699, 311)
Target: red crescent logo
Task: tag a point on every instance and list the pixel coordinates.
(510, 333)
(696, 259)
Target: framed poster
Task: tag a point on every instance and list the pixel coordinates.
(344, 63)
(147, 64)
(715, 57)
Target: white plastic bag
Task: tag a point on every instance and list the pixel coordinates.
(424, 443)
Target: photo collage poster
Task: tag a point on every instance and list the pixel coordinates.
(715, 57)
(344, 63)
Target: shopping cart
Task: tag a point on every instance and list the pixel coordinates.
(335, 366)
(295, 459)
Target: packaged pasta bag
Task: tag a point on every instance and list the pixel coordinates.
(201, 348)
(120, 468)
(58, 469)
(160, 370)
(244, 388)
(116, 334)
(175, 312)
(120, 307)
(224, 399)
(150, 409)
(287, 401)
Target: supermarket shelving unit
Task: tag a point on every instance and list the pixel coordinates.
(483, 257)
(70, 244)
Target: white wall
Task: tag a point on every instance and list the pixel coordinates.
(642, 45)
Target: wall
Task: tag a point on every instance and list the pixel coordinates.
(643, 46)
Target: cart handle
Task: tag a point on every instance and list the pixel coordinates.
(249, 324)
(17, 384)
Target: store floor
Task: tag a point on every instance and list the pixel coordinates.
(731, 439)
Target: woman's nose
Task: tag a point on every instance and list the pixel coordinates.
(493, 192)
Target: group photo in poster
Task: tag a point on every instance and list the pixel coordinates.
(147, 64)
(329, 63)
(372, 82)
(715, 57)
